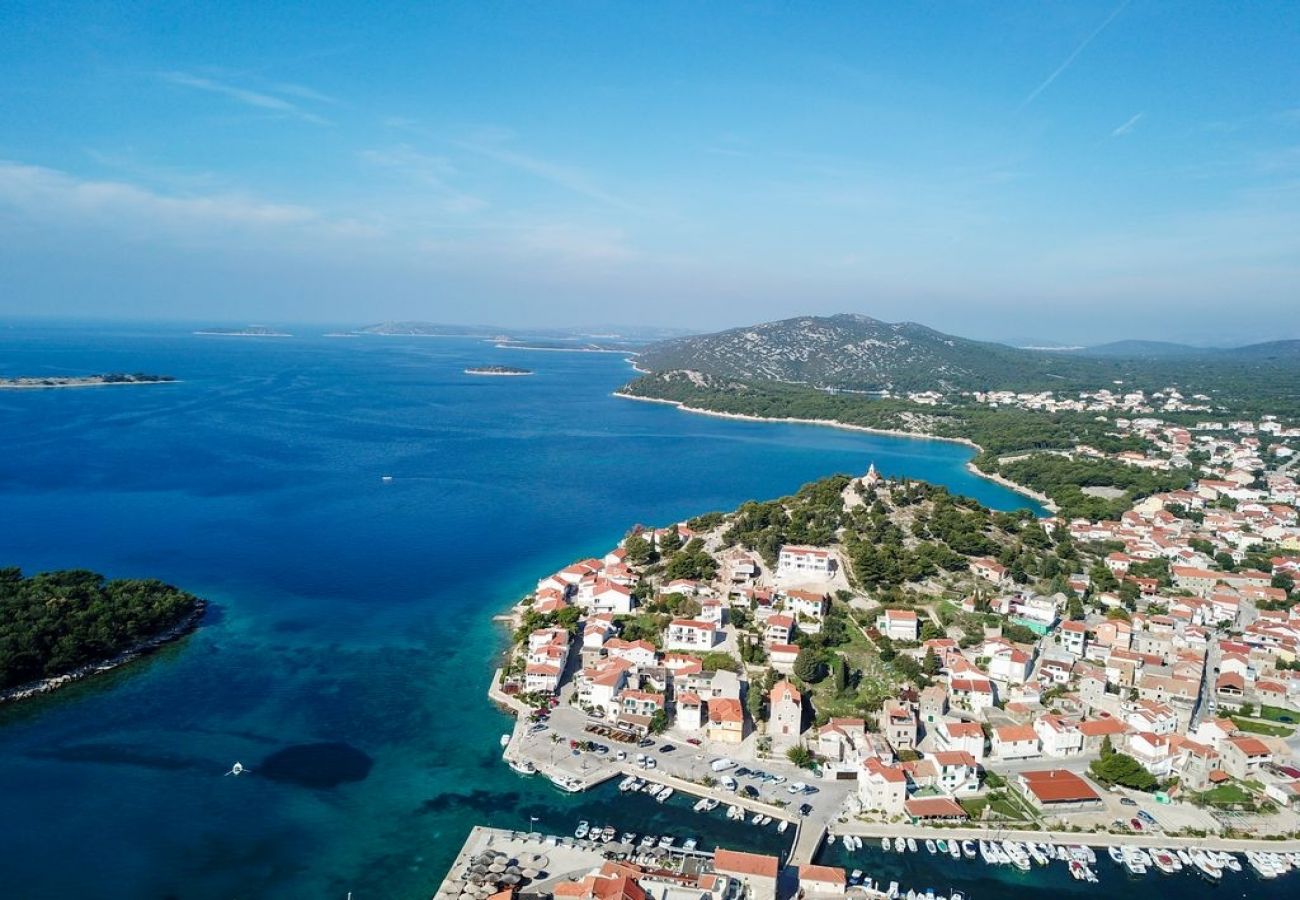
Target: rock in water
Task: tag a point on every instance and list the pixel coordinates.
(323, 765)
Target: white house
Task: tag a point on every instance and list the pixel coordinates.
(1058, 736)
(690, 634)
(882, 788)
(1153, 751)
(971, 693)
(968, 737)
(1015, 742)
(805, 561)
(1007, 663)
(898, 624)
(1074, 637)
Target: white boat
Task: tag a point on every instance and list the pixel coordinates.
(954, 848)
(911, 845)
(1184, 857)
(699, 805)
(1164, 861)
(522, 766)
(649, 840)
(566, 783)
(1230, 862)
(237, 769)
(1116, 855)
(884, 843)
(968, 849)
(629, 837)
(930, 847)
(505, 740)
(830, 839)
(626, 784)
(666, 841)
(710, 804)
(855, 877)
(782, 826)
(665, 794)
(1133, 862)
(956, 895)
(892, 893)
(581, 831)
(690, 844)
(1206, 866)
(899, 845)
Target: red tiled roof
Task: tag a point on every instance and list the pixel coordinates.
(934, 808)
(1058, 786)
(735, 862)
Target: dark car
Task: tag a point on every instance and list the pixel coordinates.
(742, 772)
(1146, 817)
(804, 809)
(1127, 801)
(666, 748)
(694, 742)
(749, 791)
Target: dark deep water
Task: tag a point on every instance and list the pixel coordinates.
(349, 640)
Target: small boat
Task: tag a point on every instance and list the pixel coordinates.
(884, 843)
(665, 794)
(911, 845)
(237, 769)
(892, 893)
(1116, 855)
(930, 847)
(648, 840)
(956, 895)
(666, 841)
(385, 477)
(782, 826)
(690, 844)
(565, 783)
(1184, 857)
(1206, 866)
(1164, 862)
(522, 766)
(1231, 862)
(505, 740)
(954, 848)
(968, 849)
(830, 839)
(626, 784)
(899, 845)
(582, 830)
(628, 837)
(855, 877)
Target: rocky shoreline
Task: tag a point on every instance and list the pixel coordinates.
(144, 648)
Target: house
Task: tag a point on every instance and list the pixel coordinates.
(602, 682)
(782, 656)
(785, 717)
(542, 678)
(841, 741)
(822, 881)
(1057, 736)
(756, 871)
(814, 562)
(690, 711)
(1095, 732)
(1014, 742)
(898, 725)
(989, 570)
(1058, 790)
(958, 771)
(968, 737)
(638, 653)
(882, 788)
(808, 608)
(1244, 757)
(1154, 751)
(898, 624)
(933, 704)
(690, 634)
(609, 597)
(641, 704)
(778, 629)
(973, 694)
(1074, 637)
(726, 720)
(1009, 664)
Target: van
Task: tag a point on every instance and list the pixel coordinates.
(722, 764)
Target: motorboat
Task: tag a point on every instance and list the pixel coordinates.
(968, 849)
(954, 848)
(884, 843)
(782, 826)
(583, 828)
(930, 847)
(1116, 854)
(911, 845)
(522, 766)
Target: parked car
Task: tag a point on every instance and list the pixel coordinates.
(728, 783)
(1135, 824)
(694, 742)
(621, 755)
(666, 748)
(804, 809)
(1146, 817)
(742, 772)
(1127, 801)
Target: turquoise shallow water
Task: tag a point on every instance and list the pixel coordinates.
(344, 609)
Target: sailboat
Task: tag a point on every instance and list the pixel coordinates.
(237, 769)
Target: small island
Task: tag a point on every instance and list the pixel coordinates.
(63, 381)
(61, 627)
(497, 370)
(250, 331)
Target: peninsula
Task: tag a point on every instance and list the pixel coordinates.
(62, 381)
(497, 370)
(61, 627)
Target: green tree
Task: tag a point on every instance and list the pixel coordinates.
(841, 669)
(670, 542)
(658, 722)
(801, 756)
(1124, 770)
(1107, 748)
(932, 666)
(756, 703)
(885, 646)
(810, 665)
(639, 551)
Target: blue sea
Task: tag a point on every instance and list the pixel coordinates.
(346, 611)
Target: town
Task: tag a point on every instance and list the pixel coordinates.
(916, 665)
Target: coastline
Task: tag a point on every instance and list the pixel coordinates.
(270, 334)
(502, 345)
(48, 685)
(833, 423)
(78, 384)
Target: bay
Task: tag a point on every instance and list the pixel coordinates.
(346, 610)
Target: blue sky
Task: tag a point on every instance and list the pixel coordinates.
(1078, 171)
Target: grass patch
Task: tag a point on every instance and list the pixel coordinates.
(974, 806)
(1278, 714)
(1230, 794)
(1253, 727)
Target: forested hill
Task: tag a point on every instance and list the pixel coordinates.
(860, 353)
(56, 622)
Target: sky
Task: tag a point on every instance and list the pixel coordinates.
(1068, 171)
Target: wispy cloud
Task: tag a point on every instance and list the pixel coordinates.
(433, 172)
(1069, 60)
(567, 177)
(256, 99)
(1128, 126)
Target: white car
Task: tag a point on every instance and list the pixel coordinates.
(778, 779)
(650, 763)
(728, 782)
(621, 755)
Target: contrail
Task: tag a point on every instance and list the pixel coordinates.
(1071, 58)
